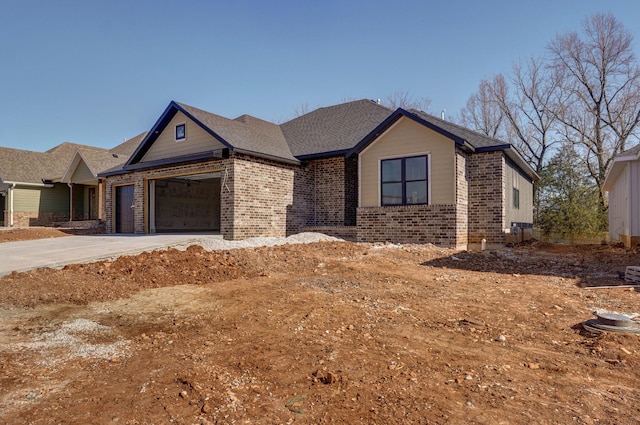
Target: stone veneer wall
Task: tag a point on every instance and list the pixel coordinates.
(434, 224)
(35, 218)
(486, 198)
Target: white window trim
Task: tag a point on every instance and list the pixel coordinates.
(175, 127)
(404, 155)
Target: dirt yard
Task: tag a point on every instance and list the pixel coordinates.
(331, 332)
(24, 234)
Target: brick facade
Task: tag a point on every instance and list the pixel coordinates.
(260, 197)
(486, 198)
(267, 198)
(462, 199)
(329, 182)
(435, 224)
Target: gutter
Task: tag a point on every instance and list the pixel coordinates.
(267, 156)
(28, 184)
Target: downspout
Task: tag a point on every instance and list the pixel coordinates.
(70, 202)
(10, 192)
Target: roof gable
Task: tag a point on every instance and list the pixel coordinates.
(618, 165)
(245, 134)
(466, 139)
(95, 161)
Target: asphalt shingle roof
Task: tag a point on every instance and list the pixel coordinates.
(475, 139)
(127, 147)
(17, 165)
(333, 128)
(246, 133)
(23, 166)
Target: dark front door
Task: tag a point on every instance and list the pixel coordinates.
(124, 209)
(93, 204)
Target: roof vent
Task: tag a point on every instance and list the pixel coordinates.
(442, 114)
(115, 155)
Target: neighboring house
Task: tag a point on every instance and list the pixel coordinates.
(623, 184)
(357, 170)
(59, 185)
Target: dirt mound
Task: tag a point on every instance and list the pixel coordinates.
(329, 332)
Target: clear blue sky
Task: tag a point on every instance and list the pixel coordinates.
(96, 72)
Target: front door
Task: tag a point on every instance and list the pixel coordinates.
(93, 204)
(124, 209)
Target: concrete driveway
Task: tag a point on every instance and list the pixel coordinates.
(56, 252)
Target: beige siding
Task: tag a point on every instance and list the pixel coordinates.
(197, 140)
(407, 138)
(515, 180)
(82, 174)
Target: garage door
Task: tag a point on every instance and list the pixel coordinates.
(185, 204)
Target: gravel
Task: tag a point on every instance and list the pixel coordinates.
(71, 336)
(211, 244)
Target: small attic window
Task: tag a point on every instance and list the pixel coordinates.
(181, 132)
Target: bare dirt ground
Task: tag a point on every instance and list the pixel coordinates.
(25, 234)
(330, 332)
(14, 235)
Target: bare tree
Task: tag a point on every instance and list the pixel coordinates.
(529, 110)
(598, 102)
(404, 100)
(482, 112)
(302, 109)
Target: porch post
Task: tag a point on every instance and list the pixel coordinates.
(70, 202)
(100, 199)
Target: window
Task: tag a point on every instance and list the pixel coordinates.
(403, 181)
(516, 198)
(181, 132)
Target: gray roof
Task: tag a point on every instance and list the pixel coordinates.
(480, 141)
(334, 128)
(245, 133)
(22, 166)
(475, 139)
(129, 146)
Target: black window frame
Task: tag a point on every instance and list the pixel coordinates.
(184, 132)
(404, 181)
